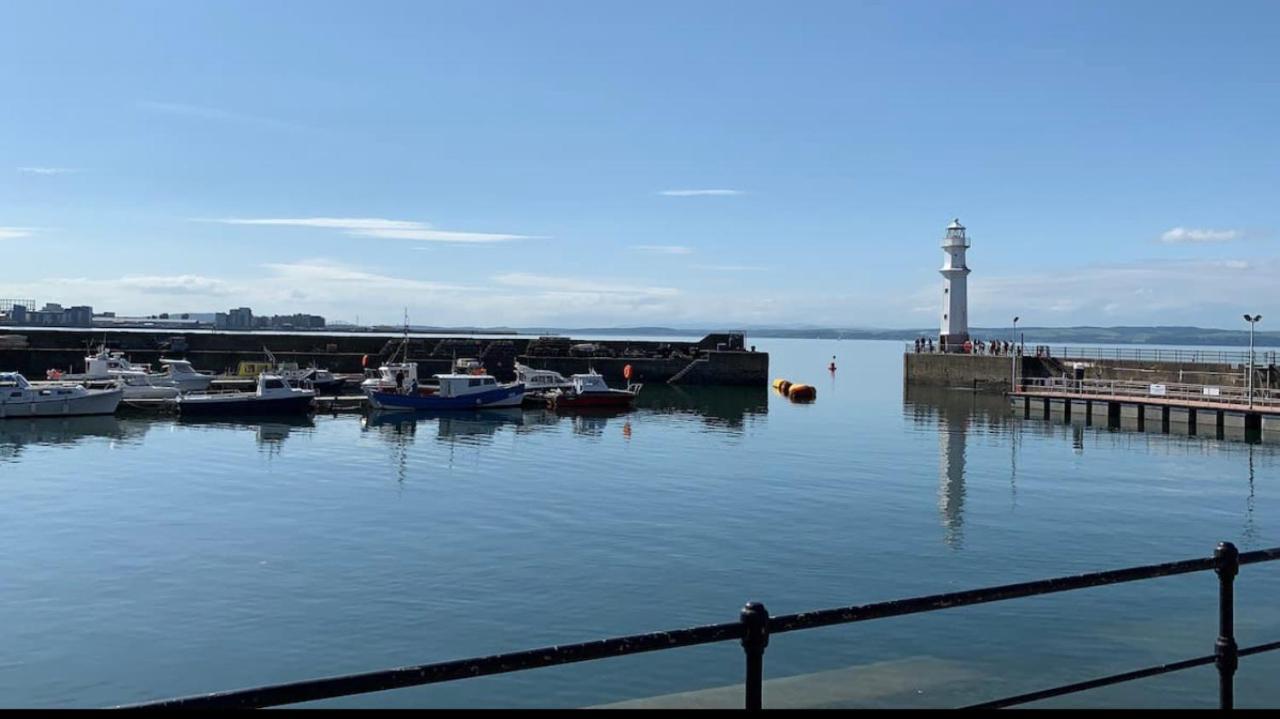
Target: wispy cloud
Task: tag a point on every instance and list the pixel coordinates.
(1189, 235)
(13, 233)
(176, 285)
(664, 249)
(730, 268)
(382, 228)
(325, 275)
(48, 170)
(580, 286)
(700, 193)
(216, 114)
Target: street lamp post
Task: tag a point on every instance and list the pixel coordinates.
(1252, 320)
(1013, 356)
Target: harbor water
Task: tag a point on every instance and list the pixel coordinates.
(147, 557)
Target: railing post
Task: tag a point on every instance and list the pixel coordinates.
(755, 637)
(1225, 649)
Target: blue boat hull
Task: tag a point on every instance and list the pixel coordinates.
(498, 397)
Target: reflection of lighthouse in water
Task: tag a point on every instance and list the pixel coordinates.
(951, 447)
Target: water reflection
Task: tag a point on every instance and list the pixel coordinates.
(15, 434)
(719, 407)
(955, 413)
(270, 431)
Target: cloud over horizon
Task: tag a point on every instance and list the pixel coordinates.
(1179, 235)
(381, 228)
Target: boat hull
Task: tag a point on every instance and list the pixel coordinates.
(94, 403)
(614, 399)
(499, 397)
(244, 406)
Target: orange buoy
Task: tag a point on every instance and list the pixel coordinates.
(626, 372)
(832, 366)
(802, 393)
(364, 361)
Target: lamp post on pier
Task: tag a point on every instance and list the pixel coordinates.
(1013, 356)
(1252, 320)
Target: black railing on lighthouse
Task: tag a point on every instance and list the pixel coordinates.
(755, 627)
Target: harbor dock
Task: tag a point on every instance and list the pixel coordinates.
(716, 359)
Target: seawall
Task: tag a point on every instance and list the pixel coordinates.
(717, 359)
(986, 373)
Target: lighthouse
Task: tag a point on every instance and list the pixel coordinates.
(955, 297)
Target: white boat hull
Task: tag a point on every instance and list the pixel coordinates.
(94, 402)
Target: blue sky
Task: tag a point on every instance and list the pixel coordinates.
(680, 163)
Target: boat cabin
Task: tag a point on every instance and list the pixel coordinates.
(460, 385)
(583, 383)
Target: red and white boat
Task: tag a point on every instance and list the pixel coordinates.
(590, 390)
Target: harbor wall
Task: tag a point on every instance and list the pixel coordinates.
(988, 373)
(982, 373)
(717, 359)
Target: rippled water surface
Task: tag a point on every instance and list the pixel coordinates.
(148, 557)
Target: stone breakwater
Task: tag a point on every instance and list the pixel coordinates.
(717, 359)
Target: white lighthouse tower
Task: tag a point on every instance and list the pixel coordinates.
(955, 296)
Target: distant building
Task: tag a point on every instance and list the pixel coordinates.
(297, 322)
(240, 319)
(80, 316)
(220, 320)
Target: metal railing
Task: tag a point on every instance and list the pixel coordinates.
(1262, 397)
(755, 627)
(1261, 358)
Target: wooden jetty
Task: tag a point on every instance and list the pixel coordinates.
(1205, 407)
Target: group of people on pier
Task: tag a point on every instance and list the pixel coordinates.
(995, 348)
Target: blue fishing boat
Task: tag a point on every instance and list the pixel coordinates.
(454, 392)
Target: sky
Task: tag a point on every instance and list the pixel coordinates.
(705, 163)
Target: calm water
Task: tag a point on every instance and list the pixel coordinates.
(145, 558)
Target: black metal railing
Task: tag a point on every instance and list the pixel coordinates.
(755, 627)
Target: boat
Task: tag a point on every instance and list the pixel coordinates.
(392, 376)
(273, 396)
(321, 380)
(590, 391)
(183, 376)
(137, 385)
(108, 365)
(20, 398)
(455, 391)
(540, 380)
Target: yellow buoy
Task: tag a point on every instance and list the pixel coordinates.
(802, 393)
(781, 385)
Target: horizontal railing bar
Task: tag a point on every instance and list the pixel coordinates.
(346, 685)
(1116, 679)
(899, 607)
(1094, 683)
(315, 689)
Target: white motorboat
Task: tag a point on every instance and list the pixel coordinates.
(20, 398)
(540, 380)
(273, 396)
(182, 375)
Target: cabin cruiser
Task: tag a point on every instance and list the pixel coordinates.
(321, 380)
(590, 390)
(20, 398)
(273, 396)
(540, 380)
(107, 365)
(183, 376)
(391, 377)
(136, 385)
(454, 391)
